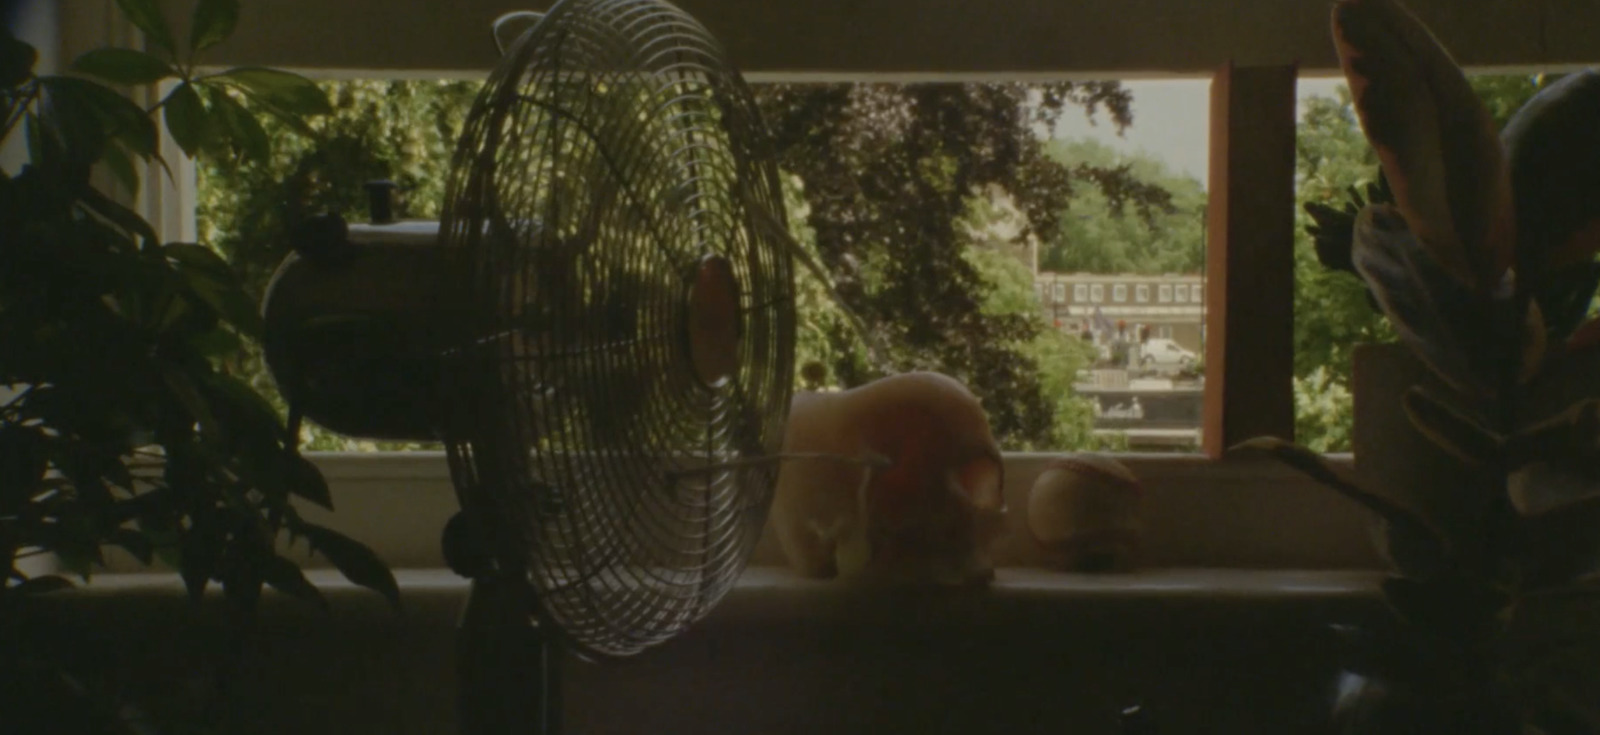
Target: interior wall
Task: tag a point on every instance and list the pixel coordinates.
(916, 38)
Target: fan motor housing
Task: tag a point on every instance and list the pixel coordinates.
(354, 339)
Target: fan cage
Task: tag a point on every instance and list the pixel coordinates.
(612, 156)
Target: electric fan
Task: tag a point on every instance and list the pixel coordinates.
(601, 330)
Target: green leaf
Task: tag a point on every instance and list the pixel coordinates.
(134, 543)
(189, 396)
(118, 116)
(121, 167)
(122, 66)
(24, 459)
(186, 118)
(1449, 428)
(16, 61)
(42, 585)
(246, 136)
(146, 15)
(212, 23)
(287, 95)
(246, 412)
(217, 284)
(200, 551)
(305, 480)
(219, 342)
(286, 577)
(111, 211)
(357, 562)
(33, 131)
(1401, 519)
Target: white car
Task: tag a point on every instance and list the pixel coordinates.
(1161, 352)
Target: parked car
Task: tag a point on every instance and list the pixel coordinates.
(1161, 352)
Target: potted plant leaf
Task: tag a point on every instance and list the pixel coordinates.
(1481, 252)
(120, 423)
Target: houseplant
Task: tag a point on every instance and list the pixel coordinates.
(1480, 251)
(120, 425)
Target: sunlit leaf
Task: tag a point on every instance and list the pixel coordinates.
(122, 66)
(284, 93)
(244, 131)
(212, 23)
(146, 16)
(186, 118)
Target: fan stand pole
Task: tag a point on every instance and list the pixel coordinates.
(509, 670)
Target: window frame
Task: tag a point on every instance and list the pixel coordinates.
(278, 38)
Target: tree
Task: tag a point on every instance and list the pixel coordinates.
(403, 131)
(1098, 236)
(890, 174)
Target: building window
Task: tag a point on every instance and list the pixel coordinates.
(1058, 291)
(1097, 293)
(1164, 293)
(1141, 293)
(1194, 293)
(1119, 293)
(1179, 295)
(1080, 292)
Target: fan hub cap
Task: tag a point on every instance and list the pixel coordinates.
(713, 321)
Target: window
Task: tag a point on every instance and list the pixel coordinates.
(1097, 293)
(1080, 292)
(1119, 293)
(1180, 293)
(1164, 293)
(1058, 291)
(1194, 293)
(1141, 293)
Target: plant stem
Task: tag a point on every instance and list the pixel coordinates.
(19, 108)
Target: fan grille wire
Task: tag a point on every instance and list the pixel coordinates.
(610, 154)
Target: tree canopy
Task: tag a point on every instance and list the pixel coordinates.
(892, 178)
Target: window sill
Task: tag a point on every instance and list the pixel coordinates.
(1196, 513)
(1206, 649)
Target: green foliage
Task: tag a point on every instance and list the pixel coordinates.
(1099, 235)
(898, 183)
(400, 131)
(124, 418)
(121, 423)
